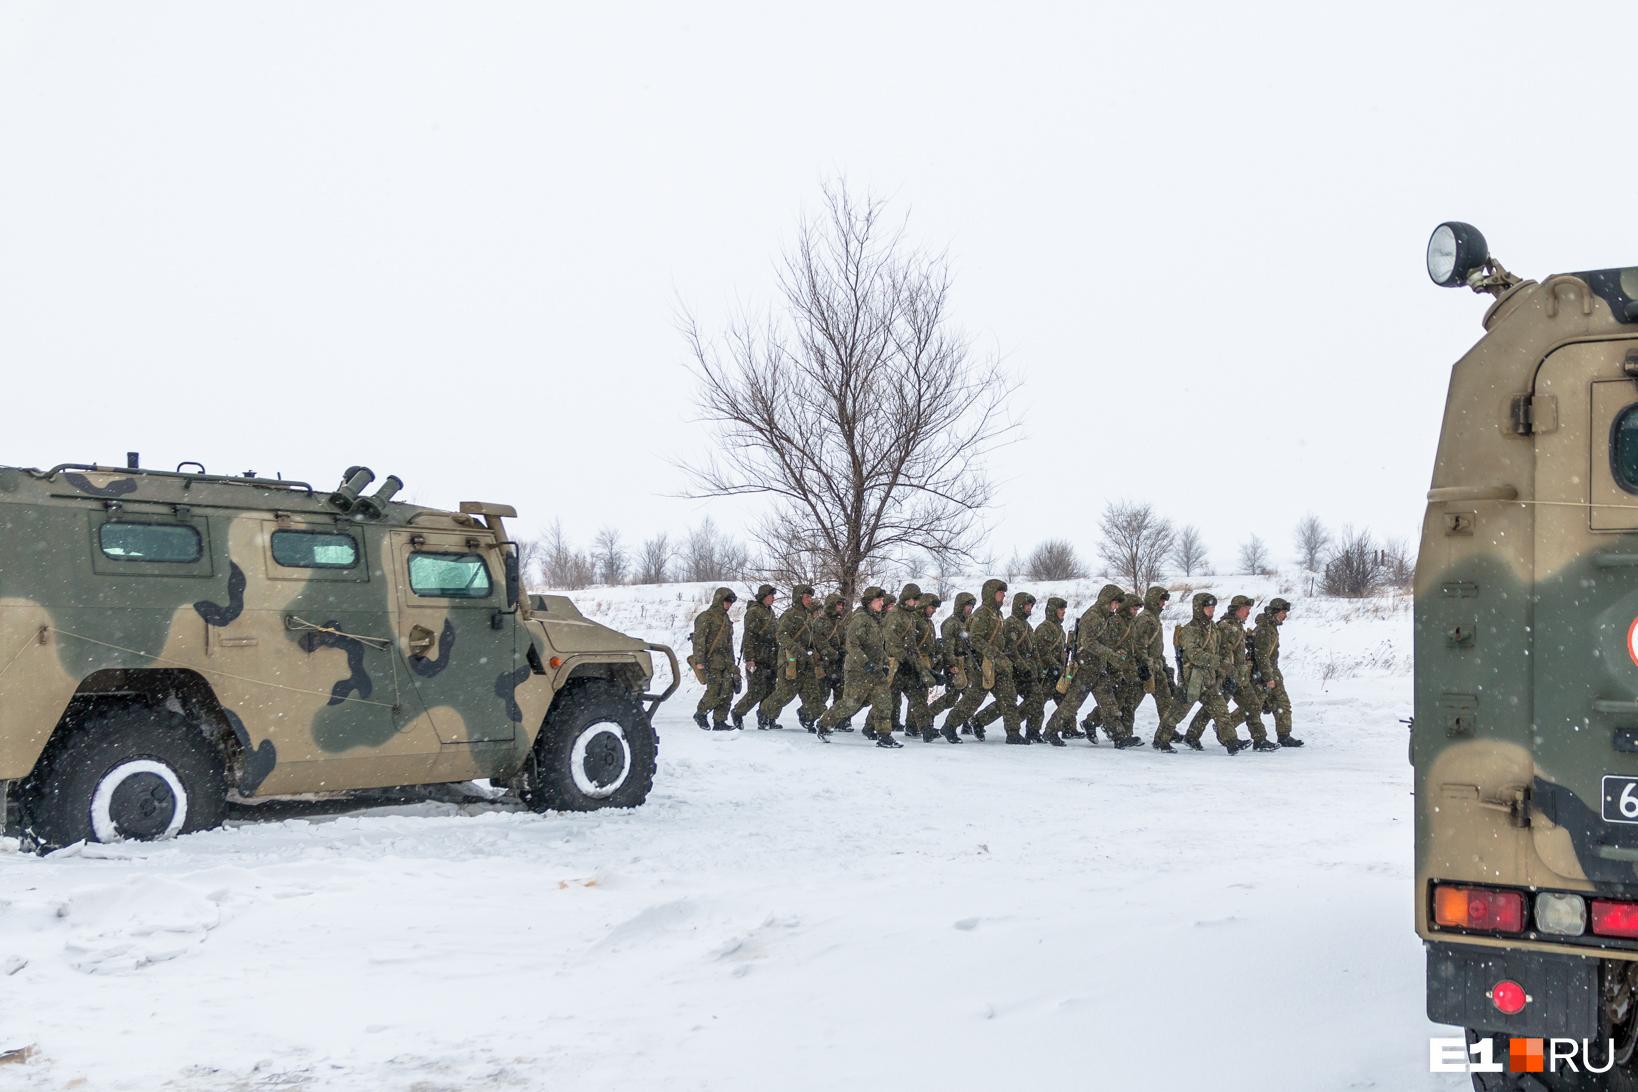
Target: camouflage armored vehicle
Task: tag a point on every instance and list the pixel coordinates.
(1525, 738)
(169, 640)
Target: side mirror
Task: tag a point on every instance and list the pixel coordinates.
(514, 580)
(1455, 251)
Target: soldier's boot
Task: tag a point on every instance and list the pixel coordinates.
(721, 726)
(928, 732)
(699, 719)
(869, 732)
(1055, 739)
(845, 726)
(978, 732)
(1073, 732)
(1014, 736)
(1163, 745)
(888, 741)
(1265, 745)
(1193, 744)
(822, 732)
(966, 727)
(1090, 722)
(1290, 741)
(1234, 746)
(1127, 742)
(806, 722)
(1032, 734)
(949, 732)
(739, 720)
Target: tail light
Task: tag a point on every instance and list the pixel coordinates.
(1483, 909)
(1614, 919)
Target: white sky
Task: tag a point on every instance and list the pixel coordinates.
(450, 241)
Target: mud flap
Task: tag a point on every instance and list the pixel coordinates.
(1563, 991)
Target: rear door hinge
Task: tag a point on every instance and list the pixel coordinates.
(1532, 414)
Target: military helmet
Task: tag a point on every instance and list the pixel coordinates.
(799, 591)
(931, 599)
(872, 592)
(910, 591)
(766, 590)
(1025, 598)
(1240, 601)
(1205, 599)
(1275, 606)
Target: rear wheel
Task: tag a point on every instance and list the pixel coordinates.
(597, 750)
(132, 773)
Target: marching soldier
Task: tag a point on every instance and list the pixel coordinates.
(864, 671)
(1089, 659)
(758, 650)
(1231, 645)
(712, 659)
(930, 662)
(1202, 666)
(838, 652)
(899, 630)
(797, 667)
(1018, 638)
(1050, 647)
(1265, 651)
(955, 646)
(1149, 638)
(995, 669)
(1129, 681)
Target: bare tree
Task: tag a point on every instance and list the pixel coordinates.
(1254, 556)
(708, 554)
(609, 556)
(1055, 559)
(1398, 564)
(653, 560)
(1355, 567)
(561, 565)
(1189, 550)
(856, 404)
(1135, 542)
(532, 562)
(1312, 539)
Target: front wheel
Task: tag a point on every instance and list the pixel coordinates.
(597, 750)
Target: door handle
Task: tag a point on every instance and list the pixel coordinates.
(421, 640)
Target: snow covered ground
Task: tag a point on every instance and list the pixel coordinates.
(781, 914)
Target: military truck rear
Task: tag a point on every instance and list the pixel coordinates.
(1525, 738)
(171, 640)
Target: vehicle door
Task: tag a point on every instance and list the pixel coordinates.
(455, 632)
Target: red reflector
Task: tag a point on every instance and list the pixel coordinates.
(1614, 919)
(1508, 997)
(1479, 908)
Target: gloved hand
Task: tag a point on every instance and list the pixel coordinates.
(928, 679)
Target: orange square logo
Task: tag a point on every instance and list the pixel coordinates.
(1526, 1056)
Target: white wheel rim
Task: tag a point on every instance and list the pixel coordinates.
(102, 801)
(582, 747)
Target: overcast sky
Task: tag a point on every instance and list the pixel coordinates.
(451, 241)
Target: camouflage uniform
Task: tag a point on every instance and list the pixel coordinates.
(1129, 681)
(1231, 646)
(797, 668)
(984, 633)
(959, 670)
(1094, 666)
(930, 660)
(1149, 641)
(758, 649)
(1202, 680)
(1268, 680)
(713, 657)
(911, 678)
(864, 671)
(1018, 638)
(834, 631)
(1049, 645)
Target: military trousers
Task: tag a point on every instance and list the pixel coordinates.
(1212, 708)
(718, 696)
(758, 685)
(908, 683)
(1032, 698)
(807, 686)
(1158, 687)
(1003, 700)
(1086, 678)
(859, 691)
(1274, 699)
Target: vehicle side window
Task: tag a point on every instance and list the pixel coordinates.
(164, 542)
(449, 576)
(1624, 449)
(314, 550)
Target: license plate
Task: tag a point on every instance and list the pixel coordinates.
(1620, 799)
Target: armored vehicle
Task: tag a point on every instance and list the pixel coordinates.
(169, 640)
(1525, 737)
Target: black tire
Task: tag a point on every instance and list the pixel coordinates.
(597, 750)
(132, 773)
